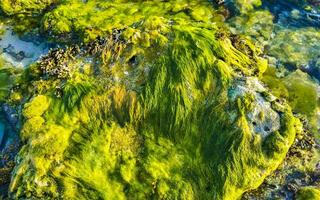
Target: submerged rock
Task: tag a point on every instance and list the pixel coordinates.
(17, 52)
(285, 32)
(297, 48)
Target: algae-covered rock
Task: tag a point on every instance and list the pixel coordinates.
(284, 34)
(108, 15)
(303, 95)
(287, 30)
(159, 102)
(36, 107)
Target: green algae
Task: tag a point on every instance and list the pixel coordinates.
(297, 87)
(308, 193)
(297, 171)
(98, 17)
(36, 107)
(25, 15)
(303, 95)
(149, 119)
(292, 47)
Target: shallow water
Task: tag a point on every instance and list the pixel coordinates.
(282, 9)
(18, 52)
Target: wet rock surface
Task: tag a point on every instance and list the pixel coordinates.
(262, 117)
(10, 113)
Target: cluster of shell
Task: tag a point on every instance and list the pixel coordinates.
(56, 62)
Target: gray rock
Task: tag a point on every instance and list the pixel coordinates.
(262, 119)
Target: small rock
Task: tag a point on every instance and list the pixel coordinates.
(20, 56)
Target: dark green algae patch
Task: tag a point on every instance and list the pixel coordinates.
(143, 102)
